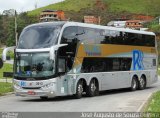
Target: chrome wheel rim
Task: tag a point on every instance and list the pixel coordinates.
(142, 82)
(134, 84)
(80, 89)
(93, 87)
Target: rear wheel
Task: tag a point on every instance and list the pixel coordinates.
(142, 83)
(134, 84)
(93, 88)
(79, 90)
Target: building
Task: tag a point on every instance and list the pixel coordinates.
(134, 24)
(92, 19)
(118, 24)
(52, 15)
(144, 18)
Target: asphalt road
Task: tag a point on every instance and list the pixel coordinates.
(109, 101)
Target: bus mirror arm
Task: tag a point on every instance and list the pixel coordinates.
(55, 48)
(5, 51)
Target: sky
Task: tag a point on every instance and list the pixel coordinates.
(24, 5)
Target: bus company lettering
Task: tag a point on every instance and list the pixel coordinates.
(22, 83)
(92, 50)
(138, 60)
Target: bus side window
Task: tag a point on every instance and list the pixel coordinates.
(69, 37)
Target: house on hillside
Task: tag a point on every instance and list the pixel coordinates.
(52, 15)
(134, 24)
(92, 19)
(118, 24)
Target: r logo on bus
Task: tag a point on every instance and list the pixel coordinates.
(138, 60)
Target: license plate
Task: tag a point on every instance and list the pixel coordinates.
(31, 93)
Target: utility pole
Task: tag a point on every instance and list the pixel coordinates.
(16, 34)
(36, 4)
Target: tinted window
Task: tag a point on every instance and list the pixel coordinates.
(105, 64)
(70, 35)
(100, 36)
(125, 38)
(68, 52)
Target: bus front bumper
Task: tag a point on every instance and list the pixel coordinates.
(45, 88)
(34, 93)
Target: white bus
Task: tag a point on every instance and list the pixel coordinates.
(71, 58)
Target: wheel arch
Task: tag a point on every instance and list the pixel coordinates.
(84, 83)
(97, 81)
(145, 79)
(135, 76)
(143, 75)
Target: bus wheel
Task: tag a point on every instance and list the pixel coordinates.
(134, 84)
(142, 83)
(79, 90)
(44, 97)
(92, 88)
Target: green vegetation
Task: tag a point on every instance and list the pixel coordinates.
(6, 68)
(67, 5)
(7, 26)
(147, 7)
(155, 28)
(131, 6)
(154, 103)
(5, 88)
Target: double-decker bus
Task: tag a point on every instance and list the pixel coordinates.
(71, 58)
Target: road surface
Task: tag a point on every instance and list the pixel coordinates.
(108, 101)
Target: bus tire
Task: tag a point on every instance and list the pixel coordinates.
(44, 97)
(142, 83)
(79, 90)
(92, 89)
(134, 84)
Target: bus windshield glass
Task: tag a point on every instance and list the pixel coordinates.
(35, 37)
(34, 65)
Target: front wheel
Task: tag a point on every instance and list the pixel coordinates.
(134, 84)
(142, 83)
(92, 88)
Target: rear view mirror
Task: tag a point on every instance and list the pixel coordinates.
(1, 63)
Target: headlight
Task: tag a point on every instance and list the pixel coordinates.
(47, 85)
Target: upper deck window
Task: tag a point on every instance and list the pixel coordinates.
(38, 37)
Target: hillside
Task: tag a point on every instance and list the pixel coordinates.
(67, 5)
(147, 7)
(106, 9)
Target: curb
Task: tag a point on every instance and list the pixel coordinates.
(4, 81)
(5, 94)
(145, 103)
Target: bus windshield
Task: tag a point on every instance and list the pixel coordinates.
(38, 37)
(34, 65)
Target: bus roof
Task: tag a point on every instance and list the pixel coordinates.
(58, 23)
(107, 27)
(68, 23)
